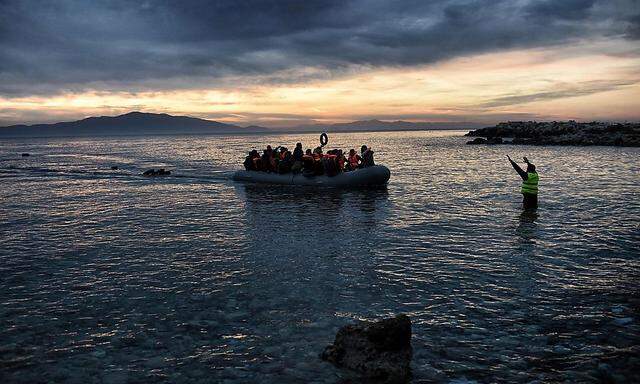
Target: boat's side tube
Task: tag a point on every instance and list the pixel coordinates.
(370, 176)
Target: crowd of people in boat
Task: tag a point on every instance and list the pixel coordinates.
(281, 160)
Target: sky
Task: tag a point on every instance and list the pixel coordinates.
(287, 63)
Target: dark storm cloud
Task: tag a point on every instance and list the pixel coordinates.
(48, 47)
(633, 31)
(564, 9)
(562, 91)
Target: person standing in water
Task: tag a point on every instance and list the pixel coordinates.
(529, 184)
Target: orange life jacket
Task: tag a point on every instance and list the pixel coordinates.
(353, 160)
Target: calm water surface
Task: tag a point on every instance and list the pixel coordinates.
(106, 276)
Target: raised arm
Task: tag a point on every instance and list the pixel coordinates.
(515, 166)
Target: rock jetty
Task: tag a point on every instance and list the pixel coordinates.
(559, 133)
(380, 351)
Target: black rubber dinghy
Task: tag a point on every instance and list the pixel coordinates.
(370, 176)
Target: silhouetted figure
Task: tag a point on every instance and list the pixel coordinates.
(250, 163)
(329, 163)
(354, 160)
(529, 183)
(367, 157)
(265, 159)
(284, 165)
(296, 167)
(298, 152)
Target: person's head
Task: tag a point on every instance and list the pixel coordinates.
(531, 167)
(299, 145)
(363, 148)
(269, 148)
(308, 152)
(352, 152)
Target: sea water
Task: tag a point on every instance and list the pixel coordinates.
(107, 276)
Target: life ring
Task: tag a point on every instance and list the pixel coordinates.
(324, 139)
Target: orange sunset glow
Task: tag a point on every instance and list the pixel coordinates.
(590, 77)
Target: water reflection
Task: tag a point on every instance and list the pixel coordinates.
(304, 203)
(527, 228)
(318, 240)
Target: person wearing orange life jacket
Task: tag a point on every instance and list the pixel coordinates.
(283, 152)
(308, 161)
(317, 157)
(354, 160)
(251, 161)
(317, 153)
(329, 163)
(529, 187)
(341, 160)
(284, 165)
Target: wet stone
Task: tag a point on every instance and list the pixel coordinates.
(378, 350)
(623, 321)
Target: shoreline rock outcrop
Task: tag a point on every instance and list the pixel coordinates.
(380, 351)
(559, 133)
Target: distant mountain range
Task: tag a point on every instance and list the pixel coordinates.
(139, 123)
(132, 123)
(378, 125)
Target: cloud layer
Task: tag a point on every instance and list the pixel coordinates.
(67, 46)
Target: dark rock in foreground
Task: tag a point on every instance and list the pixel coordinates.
(153, 172)
(560, 133)
(25, 155)
(378, 350)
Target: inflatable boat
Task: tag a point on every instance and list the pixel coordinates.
(371, 176)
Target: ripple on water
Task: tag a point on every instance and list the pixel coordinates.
(110, 277)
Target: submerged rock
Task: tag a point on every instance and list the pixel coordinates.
(378, 350)
(477, 140)
(153, 172)
(114, 167)
(25, 155)
(480, 140)
(623, 321)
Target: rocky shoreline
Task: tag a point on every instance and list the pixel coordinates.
(559, 133)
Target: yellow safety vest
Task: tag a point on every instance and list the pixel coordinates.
(530, 185)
